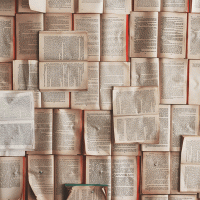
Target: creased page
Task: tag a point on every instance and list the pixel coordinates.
(174, 6)
(185, 121)
(147, 5)
(27, 40)
(90, 6)
(193, 36)
(91, 24)
(58, 22)
(55, 99)
(154, 197)
(11, 177)
(7, 8)
(6, 76)
(112, 74)
(38, 5)
(144, 71)
(67, 129)
(172, 35)
(194, 82)
(62, 46)
(117, 6)
(6, 39)
(182, 197)
(164, 137)
(143, 34)
(124, 177)
(98, 171)
(156, 173)
(41, 176)
(135, 101)
(173, 81)
(43, 131)
(195, 6)
(65, 76)
(68, 169)
(23, 7)
(60, 6)
(88, 100)
(97, 132)
(114, 40)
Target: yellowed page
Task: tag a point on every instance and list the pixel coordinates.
(57, 6)
(156, 173)
(58, 22)
(43, 131)
(173, 81)
(112, 74)
(38, 5)
(55, 99)
(6, 76)
(11, 186)
(154, 197)
(67, 129)
(41, 176)
(113, 38)
(68, 169)
(90, 6)
(185, 121)
(164, 137)
(147, 5)
(91, 24)
(98, 171)
(144, 71)
(174, 6)
(27, 41)
(23, 7)
(142, 44)
(37, 99)
(6, 39)
(66, 76)
(13, 153)
(183, 197)
(124, 177)
(97, 132)
(172, 41)
(88, 100)
(195, 6)
(7, 8)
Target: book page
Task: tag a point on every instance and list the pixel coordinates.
(12, 153)
(194, 83)
(195, 6)
(66, 76)
(164, 137)
(41, 176)
(90, 6)
(23, 7)
(37, 99)
(11, 186)
(6, 39)
(97, 132)
(88, 100)
(182, 197)
(6, 76)
(144, 71)
(67, 129)
(38, 5)
(55, 99)
(43, 131)
(62, 46)
(98, 171)
(68, 169)
(156, 173)
(117, 6)
(58, 22)
(25, 75)
(143, 45)
(147, 5)
(123, 186)
(174, 6)
(154, 197)
(7, 8)
(27, 40)
(112, 74)
(60, 6)
(185, 121)
(172, 28)
(193, 35)
(114, 40)
(135, 101)
(137, 129)
(91, 24)
(173, 81)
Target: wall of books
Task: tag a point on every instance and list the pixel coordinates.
(99, 92)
